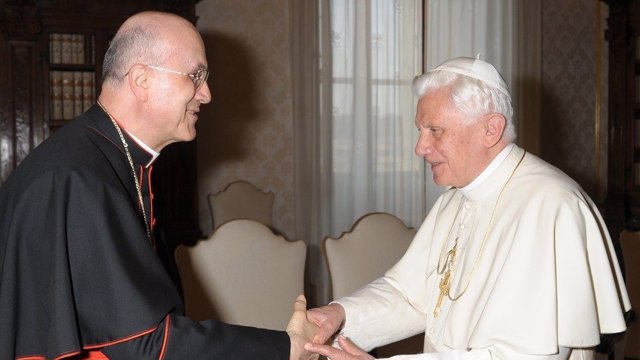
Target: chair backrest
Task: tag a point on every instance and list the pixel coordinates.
(241, 200)
(242, 274)
(374, 244)
(630, 245)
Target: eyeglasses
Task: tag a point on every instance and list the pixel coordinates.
(199, 77)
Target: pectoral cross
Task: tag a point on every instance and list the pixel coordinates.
(445, 281)
(445, 284)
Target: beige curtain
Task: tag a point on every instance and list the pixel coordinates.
(353, 123)
(311, 155)
(376, 51)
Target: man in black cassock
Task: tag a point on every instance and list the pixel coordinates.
(80, 275)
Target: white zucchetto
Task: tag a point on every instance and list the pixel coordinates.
(476, 69)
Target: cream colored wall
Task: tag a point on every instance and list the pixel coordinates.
(247, 130)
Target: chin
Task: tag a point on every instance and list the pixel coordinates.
(188, 138)
(192, 134)
(441, 182)
(189, 134)
(437, 179)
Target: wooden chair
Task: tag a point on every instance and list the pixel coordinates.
(374, 244)
(242, 274)
(241, 200)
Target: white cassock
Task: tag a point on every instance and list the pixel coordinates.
(545, 286)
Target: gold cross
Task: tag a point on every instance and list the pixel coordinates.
(445, 281)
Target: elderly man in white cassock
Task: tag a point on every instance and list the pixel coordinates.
(513, 261)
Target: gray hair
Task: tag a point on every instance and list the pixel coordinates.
(130, 46)
(469, 96)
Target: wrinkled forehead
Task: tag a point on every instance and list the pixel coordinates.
(436, 106)
(185, 42)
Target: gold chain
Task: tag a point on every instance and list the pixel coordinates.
(133, 172)
(449, 265)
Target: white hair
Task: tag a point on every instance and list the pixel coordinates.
(470, 96)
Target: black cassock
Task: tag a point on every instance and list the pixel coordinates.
(77, 271)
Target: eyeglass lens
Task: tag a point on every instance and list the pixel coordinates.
(200, 77)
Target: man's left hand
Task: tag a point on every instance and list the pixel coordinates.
(350, 350)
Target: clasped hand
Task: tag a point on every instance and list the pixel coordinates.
(329, 319)
(301, 331)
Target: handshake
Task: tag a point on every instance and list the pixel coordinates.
(310, 330)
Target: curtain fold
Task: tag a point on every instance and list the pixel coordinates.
(376, 52)
(312, 124)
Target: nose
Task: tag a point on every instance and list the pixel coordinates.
(423, 145)
(203, 95)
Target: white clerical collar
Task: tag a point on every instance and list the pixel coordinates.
(154, 154)
(489, 170)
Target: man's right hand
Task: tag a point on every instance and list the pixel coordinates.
(329, 318)
(300, 330)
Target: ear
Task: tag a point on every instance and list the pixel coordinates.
(495, 124)
(138, 80)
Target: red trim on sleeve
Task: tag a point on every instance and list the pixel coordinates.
(124, 339)
(90, 355)
(95, 355)
(167, 325)
(89, 348)
(40, 357)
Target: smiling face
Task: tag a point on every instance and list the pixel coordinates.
(454, 148)
(175, 100)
